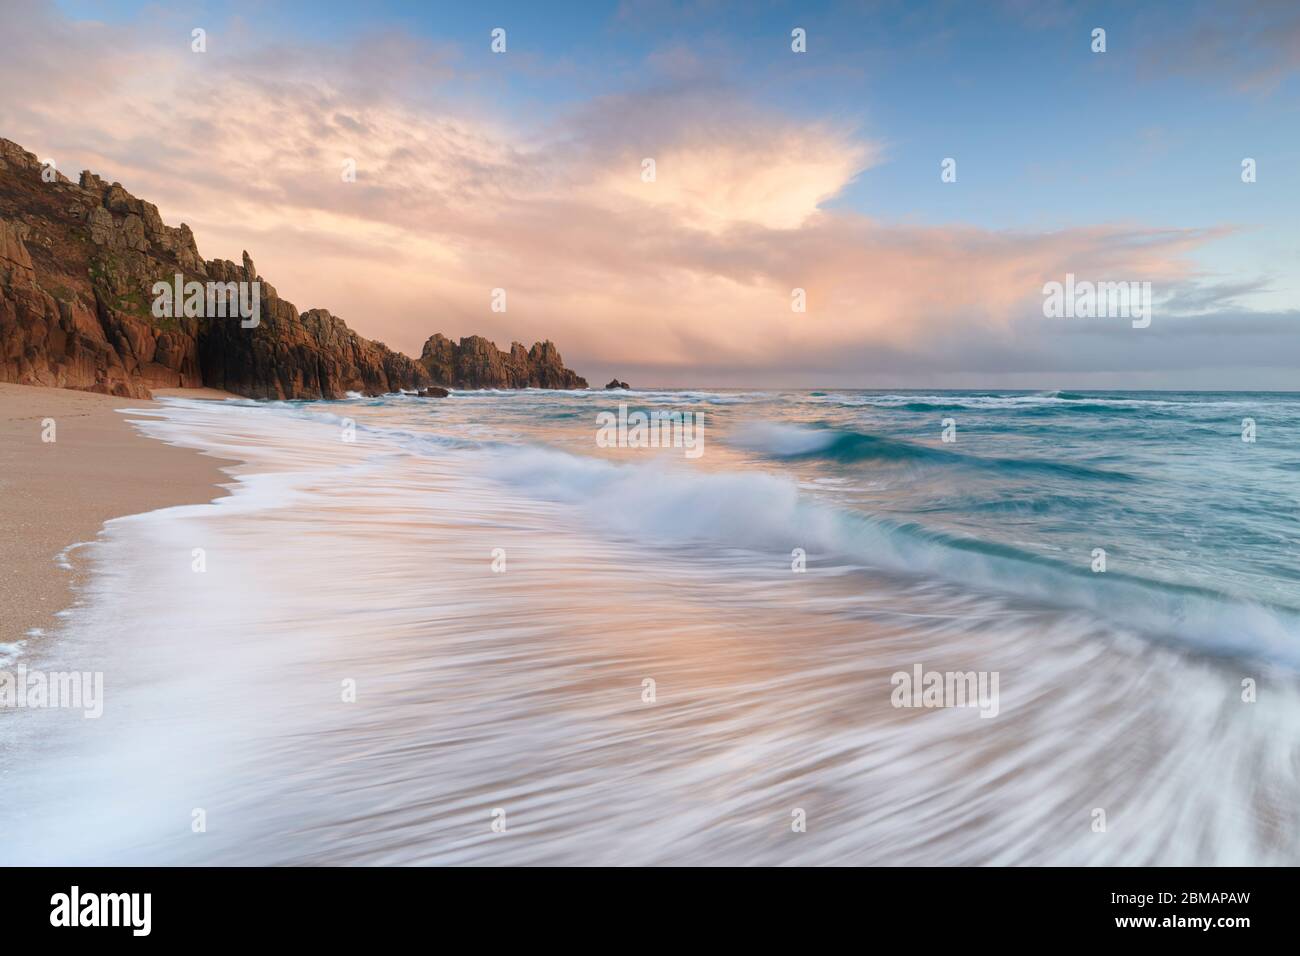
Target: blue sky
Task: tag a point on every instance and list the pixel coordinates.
(1046, 133)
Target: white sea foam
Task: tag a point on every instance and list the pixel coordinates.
(767, 514)
(781, 439)
(372, 561)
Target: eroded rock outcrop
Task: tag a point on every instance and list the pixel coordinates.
(78, 263)
(477, 363)
(76, 260)
(296, 355)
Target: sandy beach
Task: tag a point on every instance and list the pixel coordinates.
(54, 494)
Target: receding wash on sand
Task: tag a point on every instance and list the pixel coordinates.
(490, 541)
(71, 460)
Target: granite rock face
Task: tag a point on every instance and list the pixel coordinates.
(78, 265)
(477, 363)
(76, 262)
(292, 355)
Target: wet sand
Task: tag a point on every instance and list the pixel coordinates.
(54, 494)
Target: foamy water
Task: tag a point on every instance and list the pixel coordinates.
(522, 687)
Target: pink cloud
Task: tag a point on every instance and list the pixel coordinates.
(694, 270)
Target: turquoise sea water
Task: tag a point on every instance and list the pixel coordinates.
(1198, 527)
(1187, 512)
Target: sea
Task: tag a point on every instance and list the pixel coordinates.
(494, 629)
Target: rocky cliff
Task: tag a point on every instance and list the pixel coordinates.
(478, 363)
(78, 263)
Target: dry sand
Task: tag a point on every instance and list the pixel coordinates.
(55, 494)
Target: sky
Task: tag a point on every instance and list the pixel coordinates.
(774, 171)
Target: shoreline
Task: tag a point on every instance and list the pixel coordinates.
(351, 623)
(56, 494)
